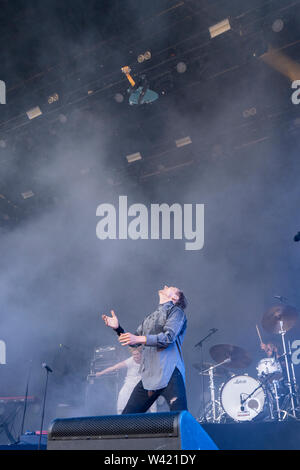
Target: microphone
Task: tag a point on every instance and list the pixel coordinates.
(213, 330)
(48, 369)
(297, 237)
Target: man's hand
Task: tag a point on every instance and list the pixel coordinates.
(112, 321)
(128, 339)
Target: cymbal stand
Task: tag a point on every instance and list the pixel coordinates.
(210, 371)
(200, 344)
(212, 393)
(276, 397)
(293, 376)
(282, 332)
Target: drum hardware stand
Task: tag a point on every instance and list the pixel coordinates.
(210, 371)
(199, 344)
(294, 376)
(282, 332)
(276, 397)
(261, 385)
(48, 369)
(25, 402)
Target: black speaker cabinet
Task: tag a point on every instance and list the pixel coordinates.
(157, 431)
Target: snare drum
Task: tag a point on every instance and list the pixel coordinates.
(269, 367)
(235, 391)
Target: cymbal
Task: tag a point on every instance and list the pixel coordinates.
(285, 313)
(218, 371)
(239, 358)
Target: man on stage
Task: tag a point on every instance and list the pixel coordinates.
(162, 368)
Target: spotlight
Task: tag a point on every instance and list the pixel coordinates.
(181, 67)
(2, 143)
(134, 157)
(182, 142)
(34, 112)
(62, 118)
(145, 56)
(53, 98)
(278, 25)
(27, 194)
(219, 28)
(249, 112)
(119, 98)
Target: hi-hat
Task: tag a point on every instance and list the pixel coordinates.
(272, 317)
(239, 358)
(218, 371)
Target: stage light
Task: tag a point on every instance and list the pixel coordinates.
(181, 67)
(278, 25)
(182, 142)
(145, 56)
(2, 143)
(53, 98)
(249, 112)
(119, 98)
(62, 118)
(34, 112)
(219, 28)
(134, 157)
(27, 194)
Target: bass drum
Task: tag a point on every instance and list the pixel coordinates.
(235, 391)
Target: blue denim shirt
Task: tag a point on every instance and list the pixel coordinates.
(164, 329)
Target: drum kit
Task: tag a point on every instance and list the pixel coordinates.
(272, 396)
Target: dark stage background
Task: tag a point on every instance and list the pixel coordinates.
(56, 276)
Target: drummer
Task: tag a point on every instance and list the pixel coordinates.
(270, 349)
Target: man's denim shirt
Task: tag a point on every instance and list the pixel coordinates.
(164, 329)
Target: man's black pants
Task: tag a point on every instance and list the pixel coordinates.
(174, 393)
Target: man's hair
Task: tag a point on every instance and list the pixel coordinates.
(181, 302)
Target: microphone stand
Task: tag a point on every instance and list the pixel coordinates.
(25, 402)
(199, 344)
(44, 404)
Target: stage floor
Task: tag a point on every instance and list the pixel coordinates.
(255, 436)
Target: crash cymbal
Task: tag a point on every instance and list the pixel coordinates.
(218, 371)
(239, 358)
(287, 314)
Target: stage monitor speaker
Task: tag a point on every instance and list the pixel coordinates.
(143, 431)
